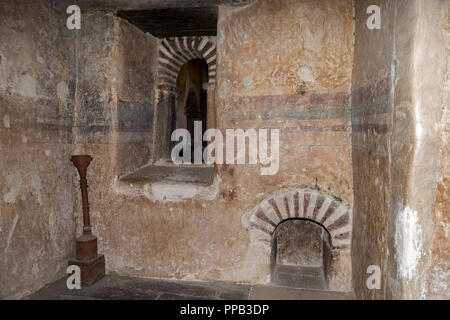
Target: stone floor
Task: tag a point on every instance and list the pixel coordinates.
(299, 277)
(117, 287)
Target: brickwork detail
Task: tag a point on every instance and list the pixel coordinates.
(300, 203)
(174, 52)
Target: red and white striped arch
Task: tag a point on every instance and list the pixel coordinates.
(174, 52)
(300, 203)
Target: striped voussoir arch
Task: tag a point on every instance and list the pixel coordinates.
(300, 203)
(174, 52)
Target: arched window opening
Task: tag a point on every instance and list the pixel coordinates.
(185, 90)
(192, 99)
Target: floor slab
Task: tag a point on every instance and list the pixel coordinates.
(114, 287)
(261, 292)
(299, 277)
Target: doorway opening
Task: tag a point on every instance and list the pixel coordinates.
(192, 101)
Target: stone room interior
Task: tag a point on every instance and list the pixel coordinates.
(224, 149)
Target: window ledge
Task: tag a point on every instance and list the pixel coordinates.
(170, 172)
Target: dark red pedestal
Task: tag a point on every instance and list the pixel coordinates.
(92, 264)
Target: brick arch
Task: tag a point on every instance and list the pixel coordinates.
(300, 203)
(174, 52)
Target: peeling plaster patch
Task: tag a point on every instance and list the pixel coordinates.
(419, 128)
(35, 269)
(310, 41)
(306, 74)
(27, 86)
(423, 294)
(248, 82)
(220, 36)
(3, 71)
(127, 189)
(52, 224)
(24, 139)
(225, 88)
(6, 122)
(408, 242)
(62, 91)
(47, 152)
(14, 182)
(446, 227)
(11, 231)
(440, 283)
(251, 63)
(419, 132)
(165, 191)
(168, 191)
(36, 184)
(173, 192)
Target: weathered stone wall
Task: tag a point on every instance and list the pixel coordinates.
(396, 103)
(277, 69)
(60, 91)
(418, 101)
(136, 75)
(37, 181)
(280, 64)
(115, 89)
(96, 101)
(438, 270)
(115, 106)
(280, 68)
(372, 95)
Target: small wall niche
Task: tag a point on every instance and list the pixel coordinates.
(186, 68)
(301, 254)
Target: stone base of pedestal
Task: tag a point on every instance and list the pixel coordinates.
(92, 270)
(92, 265)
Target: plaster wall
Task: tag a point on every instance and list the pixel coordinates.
(362, 116)
(299, 82)
(397, 102)
(37, 181)
(438, 273)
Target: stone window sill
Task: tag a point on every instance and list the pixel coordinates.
(170, 172)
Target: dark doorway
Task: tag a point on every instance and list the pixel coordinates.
(301, 254)
(192, 99)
